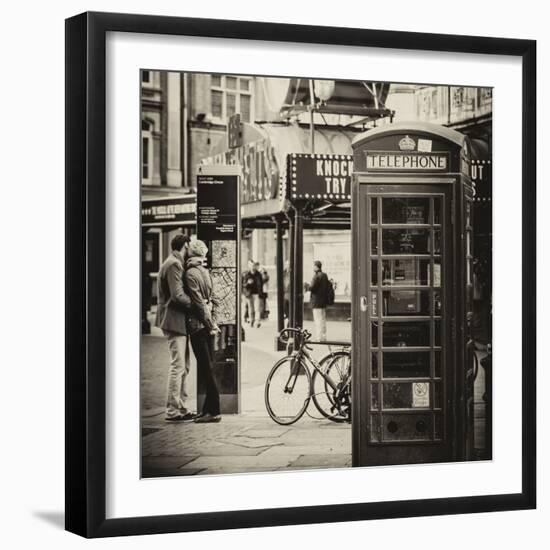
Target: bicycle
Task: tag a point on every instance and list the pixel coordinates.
(290, 385)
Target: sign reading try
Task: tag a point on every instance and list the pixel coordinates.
(318, 176)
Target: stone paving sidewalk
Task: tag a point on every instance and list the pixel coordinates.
(248, 442)
(243, 443)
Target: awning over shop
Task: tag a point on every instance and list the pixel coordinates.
(349, 97)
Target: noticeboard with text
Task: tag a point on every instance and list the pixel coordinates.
(218, 222)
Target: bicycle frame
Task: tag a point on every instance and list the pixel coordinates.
(309, 362)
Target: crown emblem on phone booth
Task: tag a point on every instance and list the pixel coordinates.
(407, 144)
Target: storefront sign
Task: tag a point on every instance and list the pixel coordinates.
(218, 226)
(320, 176)
(168, 211)
(481, 172)
(260, 172)
(384, 161)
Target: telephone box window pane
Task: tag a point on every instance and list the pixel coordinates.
(406, 272)
(437, 241)
(374, 272)
(406, 334)
(406, 241)
(405, 210)
(437, 210)
(437, 364)
(374, 402)
(409, 364)
(438, 396)
(437, 272)
(397, 395)
(374, 428)
(406, 302)
(374, 241)
(374, 303)
(396, 427)
(437, 335)
(438, 426)
(374, 211)
(437, 303)
(374, 335)
(374, 365)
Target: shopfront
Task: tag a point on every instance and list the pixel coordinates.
(412, 309)
(161, 219)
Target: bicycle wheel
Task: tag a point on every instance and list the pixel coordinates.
(332, 392)
(287, 390)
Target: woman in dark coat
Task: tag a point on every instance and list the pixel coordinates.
(202, 326)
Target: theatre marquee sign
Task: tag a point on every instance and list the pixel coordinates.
(319, 176)
(406, 161)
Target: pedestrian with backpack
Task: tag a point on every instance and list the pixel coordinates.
(322, 295)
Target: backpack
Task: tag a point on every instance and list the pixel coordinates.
(330, 292)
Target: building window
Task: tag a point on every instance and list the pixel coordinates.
(146, 152)
(146, 76)
(231, 95)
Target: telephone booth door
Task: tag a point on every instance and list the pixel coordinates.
(405, 263)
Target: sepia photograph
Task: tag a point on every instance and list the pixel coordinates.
(316, 273)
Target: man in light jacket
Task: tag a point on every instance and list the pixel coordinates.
(173, 307)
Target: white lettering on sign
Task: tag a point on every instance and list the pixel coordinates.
(336, 173)
(403, 161)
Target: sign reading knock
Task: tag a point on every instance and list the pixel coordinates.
(318, 176)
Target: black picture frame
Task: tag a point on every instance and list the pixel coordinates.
(86, 262)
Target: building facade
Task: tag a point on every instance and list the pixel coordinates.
(185, 123)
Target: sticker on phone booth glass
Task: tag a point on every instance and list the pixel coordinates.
(425, 145)
(421, 394)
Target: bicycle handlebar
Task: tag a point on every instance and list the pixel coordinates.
(285, 334)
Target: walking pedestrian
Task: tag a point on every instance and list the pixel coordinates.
(320, 288)
(202, 326)
(251, 288)
(173, 306)
(264, 293)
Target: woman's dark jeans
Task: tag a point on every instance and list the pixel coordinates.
(202, 343)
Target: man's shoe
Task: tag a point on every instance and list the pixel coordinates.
(183, 417)
(207, 418)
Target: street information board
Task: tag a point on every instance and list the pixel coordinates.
(218, 223)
